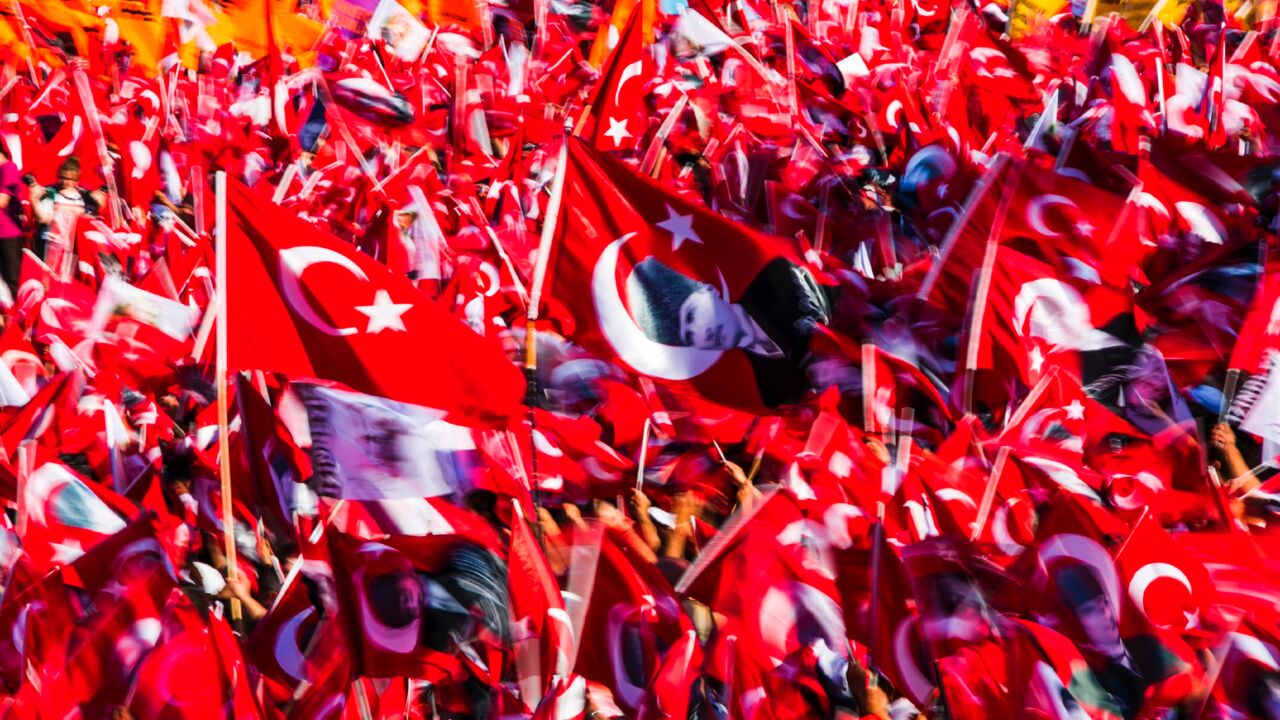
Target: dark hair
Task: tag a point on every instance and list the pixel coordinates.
(72, 163)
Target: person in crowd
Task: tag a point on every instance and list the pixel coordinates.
(56, 208)
(13, 227)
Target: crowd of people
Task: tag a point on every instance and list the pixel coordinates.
(881, 358)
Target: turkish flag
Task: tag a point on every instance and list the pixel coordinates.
(188, 648)
(542, 638)
(296, 644)
(303, 303)
(618, 103)
(1167, 586)
(680, 293)
(1035, 317)
(1047, 215)
(631, 621)
(404, 598)
(275, 467)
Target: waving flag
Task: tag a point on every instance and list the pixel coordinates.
(303, 303)
(618, 102)
(369, 448)
(680, 293)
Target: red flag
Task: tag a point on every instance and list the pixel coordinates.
(67, 514)
(1261, 329)
(401, 602)
(1170, 589)
(618, 102)
(303, 303)
(276, 465)
(543, 634)
(296, 643)
(680, 293)
(632, 619)
(31, 421)
(190, 647)
(1076, 585)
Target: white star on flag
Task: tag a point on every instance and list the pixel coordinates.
(617, 131)
(1075, 411)
(1037, 359)
(680, 227)
(1085, 228)
(384, 314)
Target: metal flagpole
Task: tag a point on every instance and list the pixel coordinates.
(224, 452)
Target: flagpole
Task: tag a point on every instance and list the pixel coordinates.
(989, 493)
(868, 387)
(983, 288)
(27, 39)
(1229, 387)
(548, 234)
(644, 449)
(220, 370)
(873, 613)
(530, 328)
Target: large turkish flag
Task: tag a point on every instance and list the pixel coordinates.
(306, 304)
(677, 292)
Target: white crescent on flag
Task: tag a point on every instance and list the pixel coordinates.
(294, 262)
(1084, 550)
(917, 685)
(645, 356)
(1148, 574)
(288, 650)
(1037, 207)
(631, 71)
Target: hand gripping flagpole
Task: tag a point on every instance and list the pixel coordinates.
(220, 369)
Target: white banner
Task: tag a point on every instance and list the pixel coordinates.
(370, 448)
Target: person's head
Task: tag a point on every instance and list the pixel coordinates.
(1083, 593)
(139, 560)
(674, 309)
(395, 598)
(69, 173)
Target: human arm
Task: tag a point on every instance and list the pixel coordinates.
(238, 588)
(1223, 439)
(648, 532)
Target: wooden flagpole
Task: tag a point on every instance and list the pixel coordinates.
(27, 40)
(224, 451)
(868, 388)
(531, 317)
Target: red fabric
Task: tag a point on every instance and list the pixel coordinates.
(290, 309)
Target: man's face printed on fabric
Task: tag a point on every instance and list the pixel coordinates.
(1084, 594)
(708, 322)
(675, 309)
